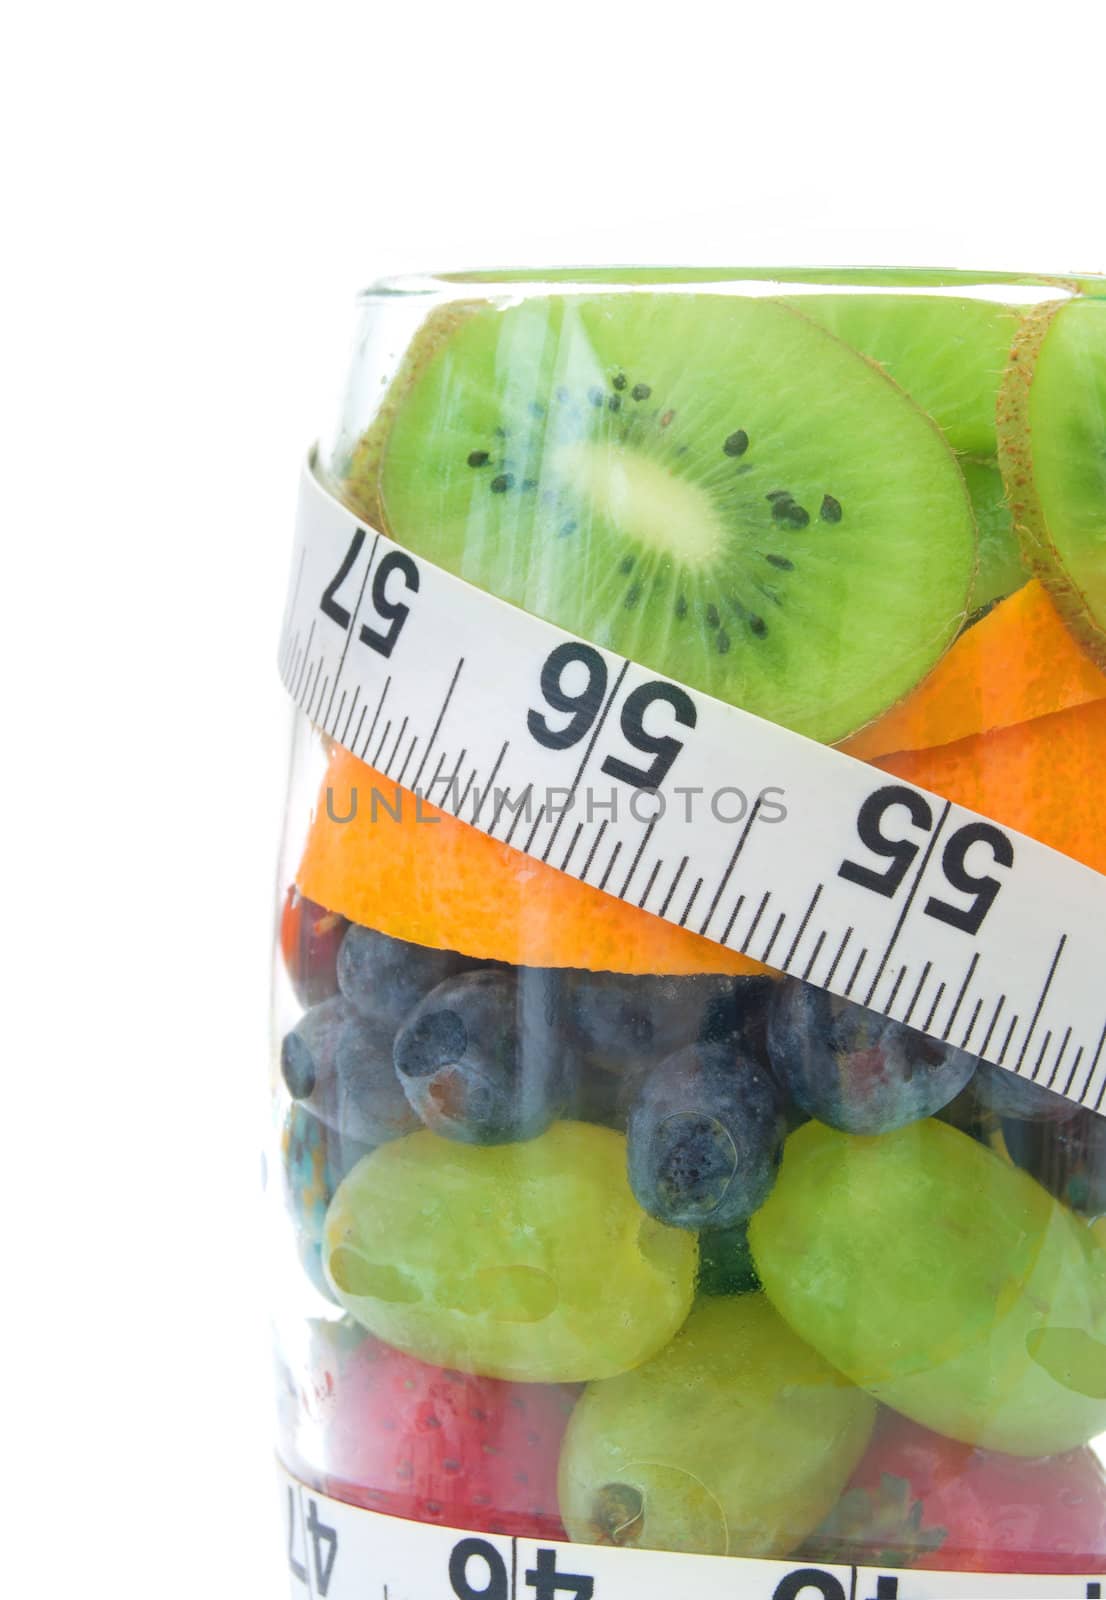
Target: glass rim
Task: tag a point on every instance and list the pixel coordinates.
(749, 280)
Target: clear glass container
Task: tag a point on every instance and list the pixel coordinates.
(584, 1225)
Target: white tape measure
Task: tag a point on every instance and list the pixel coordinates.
(341, 1552)
(716, 820)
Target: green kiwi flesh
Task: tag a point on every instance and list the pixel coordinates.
(949, 355)
(1052, 445)
(1002, 564)
(710, 485)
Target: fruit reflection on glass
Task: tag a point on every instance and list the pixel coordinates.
(919, 1499)
(629, 1237)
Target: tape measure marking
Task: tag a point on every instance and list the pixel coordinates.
(821, 865)
(337, 1551)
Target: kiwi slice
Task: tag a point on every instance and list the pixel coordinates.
(949, 355)
(1002, 564)
(1052, 447)
(711, 485)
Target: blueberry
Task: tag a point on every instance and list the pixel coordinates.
(481, 1059)
(339, 1064)
(625, 1021)
(1068, 1158)
(596, 1095)
(619, 1025)
(858, 1070)
(705, 1134)
(1009, 1095)
(307, 1053)
(741, 1012)
(726, 1262)
(386, 978)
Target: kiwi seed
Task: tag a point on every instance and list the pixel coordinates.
(668, 495)
(785, 509)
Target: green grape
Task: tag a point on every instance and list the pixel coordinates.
(943, 1281)
(529, 1261)
(735, 1440)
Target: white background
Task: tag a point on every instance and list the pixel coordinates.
(191, 197)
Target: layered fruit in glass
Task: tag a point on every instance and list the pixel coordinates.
(588, 1226)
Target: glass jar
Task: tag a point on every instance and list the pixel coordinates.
(604, 1227)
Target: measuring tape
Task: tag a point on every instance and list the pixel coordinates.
(793, 853)
(341, 1552)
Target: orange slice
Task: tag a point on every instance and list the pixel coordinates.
(1046, 778)
(1018, 663)
(432, 880)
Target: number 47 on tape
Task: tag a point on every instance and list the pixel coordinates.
(305, 1531)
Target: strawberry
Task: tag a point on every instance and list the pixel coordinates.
(918, 1499)
(442, 1446)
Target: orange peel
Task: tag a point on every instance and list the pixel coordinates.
(428, 878)
(1044, 778)
(1016, 664)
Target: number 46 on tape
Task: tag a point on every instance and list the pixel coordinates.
(543, 1578)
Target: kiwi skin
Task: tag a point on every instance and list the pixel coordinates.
(356, 477)
(1015, 454)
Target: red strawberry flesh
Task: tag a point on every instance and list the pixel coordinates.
(441, 1446)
